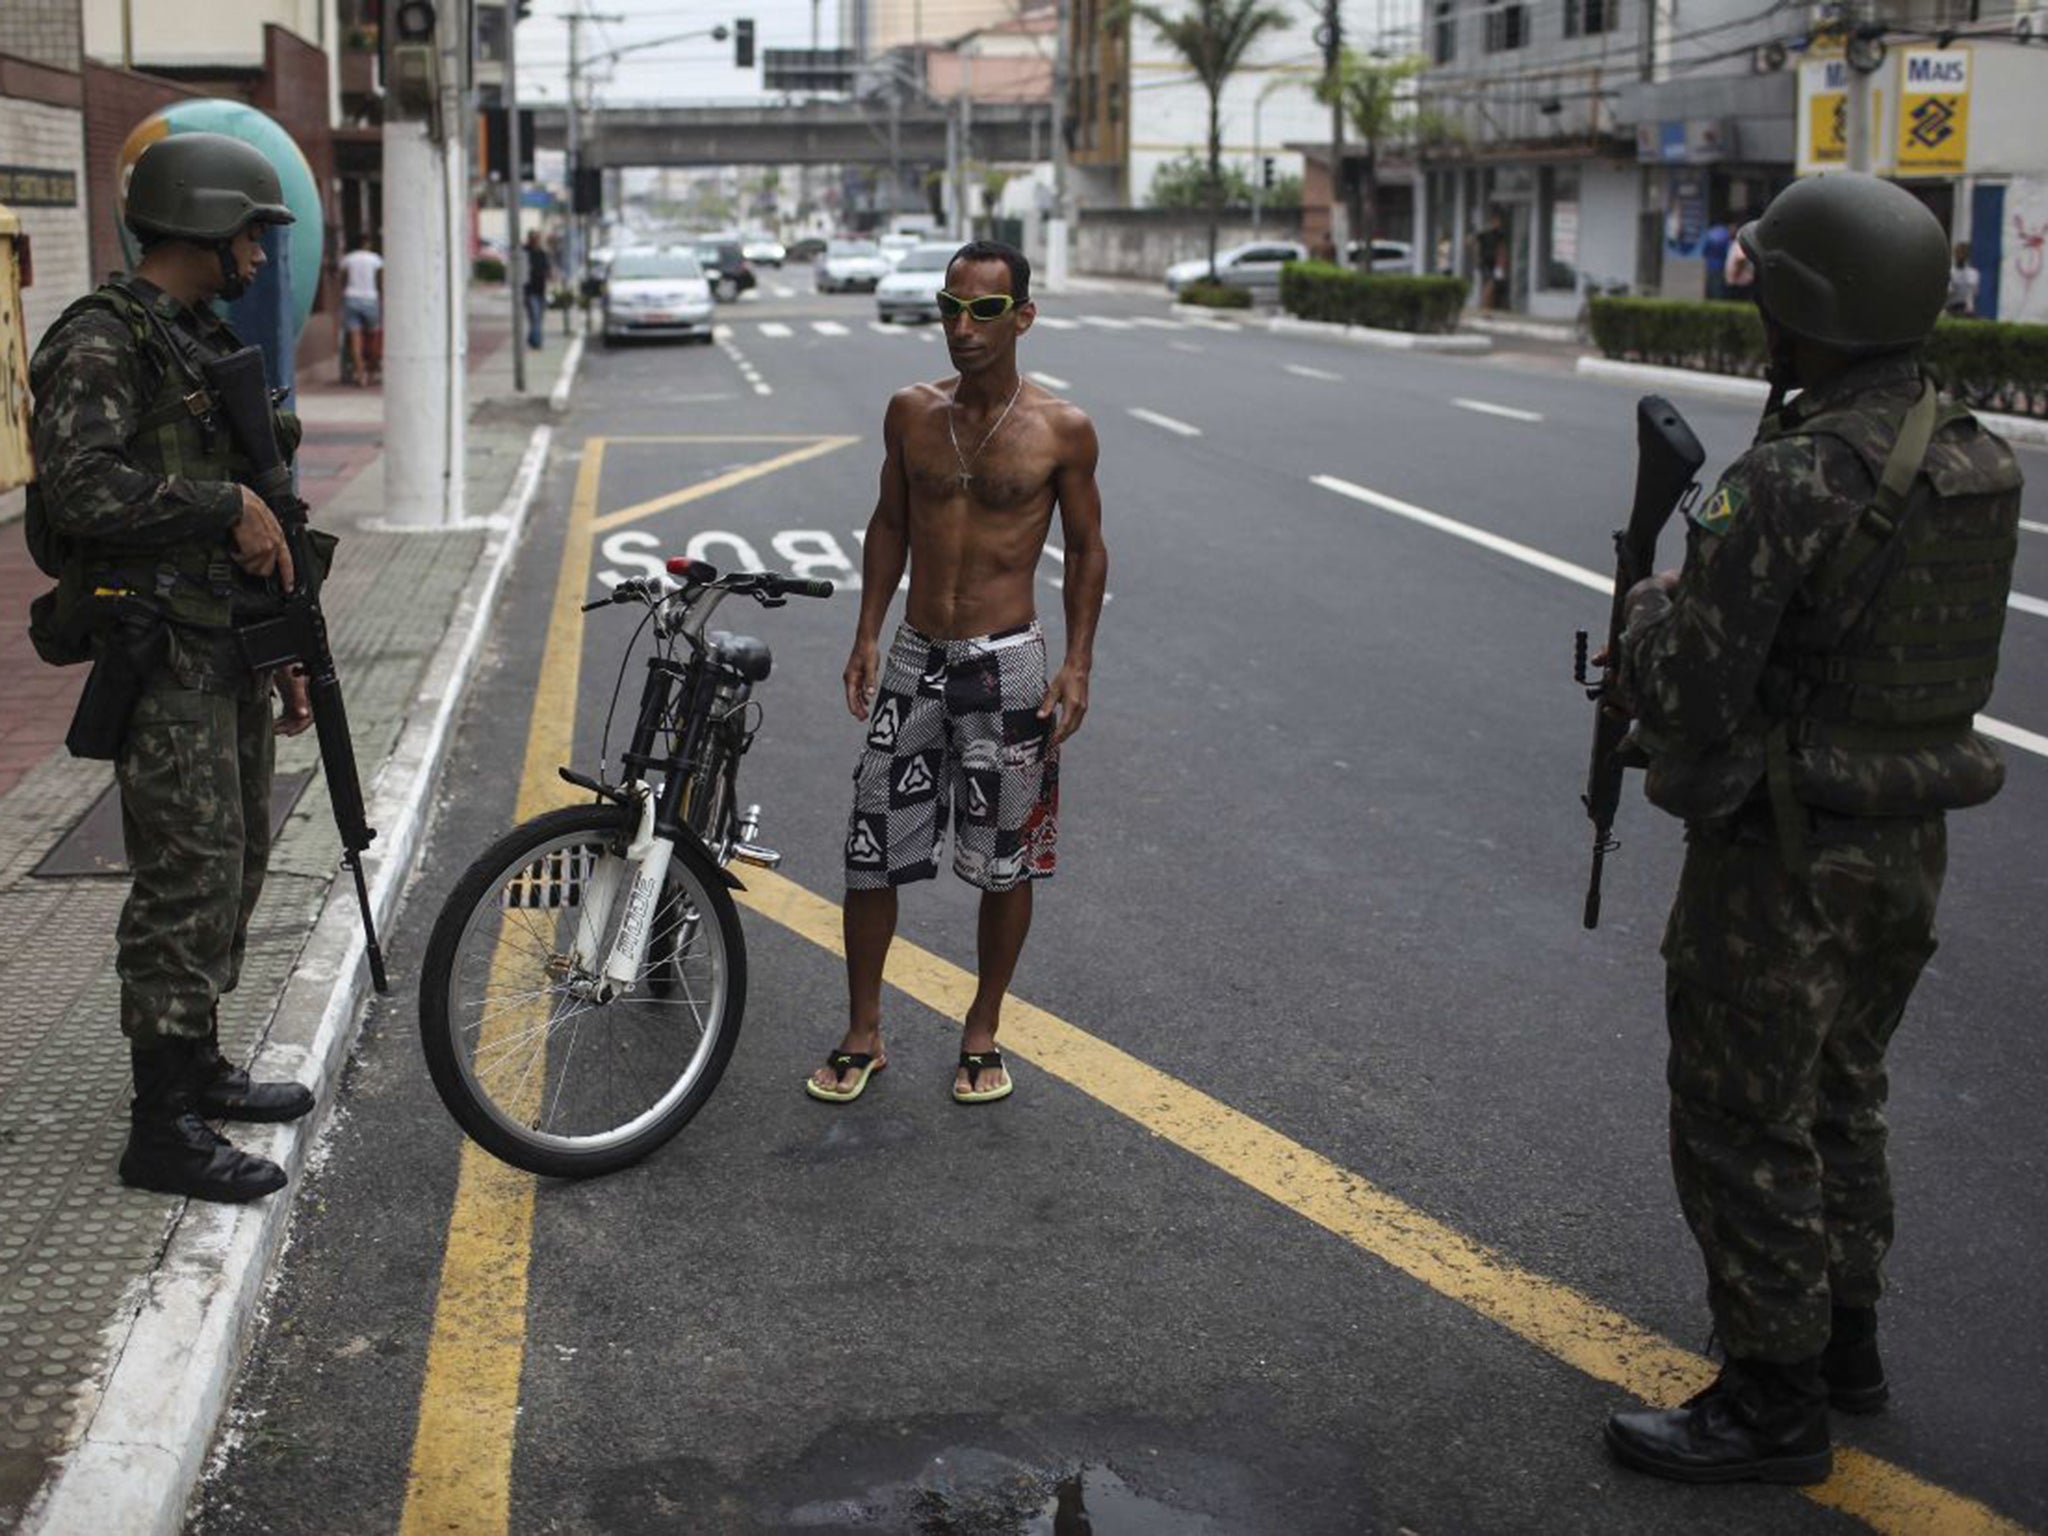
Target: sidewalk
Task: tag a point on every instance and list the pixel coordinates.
(123, 1314)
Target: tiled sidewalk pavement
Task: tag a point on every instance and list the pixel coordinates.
(76, 1248)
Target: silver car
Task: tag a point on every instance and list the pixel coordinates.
(657, 293)
(911, 291)
(1255, 266)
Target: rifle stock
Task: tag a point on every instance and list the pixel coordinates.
(298, 634)
(1668, 455)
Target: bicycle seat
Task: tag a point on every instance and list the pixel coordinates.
(743, 654)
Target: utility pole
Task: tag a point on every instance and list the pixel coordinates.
(1057, 227)
(1333, 52)
(1857, 98)
(515, 186)
(573, 138)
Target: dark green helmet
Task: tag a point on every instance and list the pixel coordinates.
(1852, 261)
(203, 186)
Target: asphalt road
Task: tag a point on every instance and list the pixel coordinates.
(1322, 859)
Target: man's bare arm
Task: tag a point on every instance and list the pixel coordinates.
(1087, 570)
(884, 553)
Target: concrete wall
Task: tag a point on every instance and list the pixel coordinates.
(223, 32)
(1610, 193)
(2007, 87)
(115, 101)
(35, 133)
(1143, 242)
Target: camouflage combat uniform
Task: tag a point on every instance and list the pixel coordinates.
(1806, 697)
(145, 493)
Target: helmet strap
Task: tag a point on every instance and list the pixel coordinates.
(232, 284)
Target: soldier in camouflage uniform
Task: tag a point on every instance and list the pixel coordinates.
(1805, 688)
(138, 496)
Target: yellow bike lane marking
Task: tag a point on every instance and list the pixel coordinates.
(461, 1472)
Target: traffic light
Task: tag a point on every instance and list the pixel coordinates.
(586, 189)
(1266, 173)
(743, 43)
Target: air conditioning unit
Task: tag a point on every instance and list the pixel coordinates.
(1769, 59)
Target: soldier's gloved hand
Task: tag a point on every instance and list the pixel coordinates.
(259, 541)
(290, 683)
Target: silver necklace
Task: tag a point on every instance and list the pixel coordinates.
(968, 461)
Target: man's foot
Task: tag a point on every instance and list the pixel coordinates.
(225, 1091)
(982, 1078)
(183, 1155)
(844, 1077)
(1758, 1422)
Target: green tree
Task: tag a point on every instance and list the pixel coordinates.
(1379, 103)
(1213, 37)
(1183, 182)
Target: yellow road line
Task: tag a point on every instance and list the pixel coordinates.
(1554, 1317)
(818, 448)
(461, 1477)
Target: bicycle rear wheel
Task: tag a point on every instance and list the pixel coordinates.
(530, 1060)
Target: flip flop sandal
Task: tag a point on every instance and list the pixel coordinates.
(974, 1063)
(845, 1061)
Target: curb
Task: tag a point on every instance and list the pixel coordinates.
(1530, 330)
(1724, 386)
(145, 1445)
(1367, 336)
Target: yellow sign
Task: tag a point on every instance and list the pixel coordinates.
(1934, 111)
(16, 466)
(1824, 116)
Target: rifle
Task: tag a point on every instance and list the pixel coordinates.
(1667, 458)
(298, 634)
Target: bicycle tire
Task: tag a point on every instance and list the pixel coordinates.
(453, 1038)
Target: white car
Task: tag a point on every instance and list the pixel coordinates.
(1255, 266)
(1387, 255)
(896, 247)
(911, 291)
(657, 293)
(850, 266)
(764, 251)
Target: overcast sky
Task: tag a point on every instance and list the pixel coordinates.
(699, 69)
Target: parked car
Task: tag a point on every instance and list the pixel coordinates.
(911, 291)
(1255, 266)
(850, 266)
(725, 264)
(809, 248)
(1387, 255)
(657, 293)
(896, 247)
(763, 251)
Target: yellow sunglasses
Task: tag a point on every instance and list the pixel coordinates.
(992, 306)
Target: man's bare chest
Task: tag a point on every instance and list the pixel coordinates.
(1010, 470)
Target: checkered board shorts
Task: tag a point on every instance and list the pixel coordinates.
(954, 734)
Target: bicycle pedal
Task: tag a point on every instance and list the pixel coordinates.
(756, 855)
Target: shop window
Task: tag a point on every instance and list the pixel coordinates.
(1589, 18)
(1507, 27)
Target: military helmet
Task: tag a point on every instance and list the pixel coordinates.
(1851, 261)
(205, 187)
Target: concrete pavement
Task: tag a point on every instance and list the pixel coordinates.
(122, 1314)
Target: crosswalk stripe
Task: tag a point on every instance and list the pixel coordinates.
(884, 328)
(783, 291)
(1158, 324)
(828, 327)
(1106, 322)
(1058, 323)
(776, 329)
(1212, 325)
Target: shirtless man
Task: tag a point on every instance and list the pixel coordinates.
(962, 723)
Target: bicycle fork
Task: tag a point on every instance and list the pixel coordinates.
(647, 856)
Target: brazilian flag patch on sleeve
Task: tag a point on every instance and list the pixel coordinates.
(1715, 513)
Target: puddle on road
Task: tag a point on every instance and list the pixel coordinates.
(1096, 1502)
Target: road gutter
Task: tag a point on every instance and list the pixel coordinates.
(1369, 336)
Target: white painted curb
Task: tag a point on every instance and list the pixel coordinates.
(1367, 336)
(1723, 386)
(144, 1448)
(558, 397)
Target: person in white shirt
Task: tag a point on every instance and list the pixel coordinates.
(1963, 281)
(362, 294)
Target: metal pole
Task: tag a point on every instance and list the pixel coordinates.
(1058, 230)
(1857, 145)
(1333, 49)
(1258, 172)
(515, 253)
(574, 140)
(967, 146)
(895, 149)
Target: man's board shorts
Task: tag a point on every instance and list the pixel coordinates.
(359, 314)
(954, 735)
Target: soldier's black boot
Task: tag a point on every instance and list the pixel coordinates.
(173, 1151)
(1854, 1371)
(226, 1091)
(1758, 1422)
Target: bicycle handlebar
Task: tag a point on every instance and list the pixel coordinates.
(769, 587)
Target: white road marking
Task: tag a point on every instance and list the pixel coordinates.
(1302, 370)
(1488, 408)
(1050, 381)
(2025, 604)
(828, 327)
(762, 389)
(721, 333)
(776, 329)
(1162, 325)
(1107, 323)
(782, 291)
(1999, 730)
(1212, 325)
(1167, 422)
(1057, 323)
(1051, 551)
(889, 328)
(1186, 346)
(2033, 527)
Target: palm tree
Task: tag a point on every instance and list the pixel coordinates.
(1213, 36)
(1383, 110)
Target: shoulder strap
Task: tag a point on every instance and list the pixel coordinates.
(1881, 521)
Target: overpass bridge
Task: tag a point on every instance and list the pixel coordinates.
(800, 133)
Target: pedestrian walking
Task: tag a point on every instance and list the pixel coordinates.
(1806, 688)
(362, 309)
(1715, 244)
(535, 293)
(160, 551)
(963, 725)
(1962, 284)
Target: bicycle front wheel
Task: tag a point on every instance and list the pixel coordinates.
(537, 1060)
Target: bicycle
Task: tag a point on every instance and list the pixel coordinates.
(586, 978)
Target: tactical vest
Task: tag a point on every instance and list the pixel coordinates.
(1898, 648)
(194, 582)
